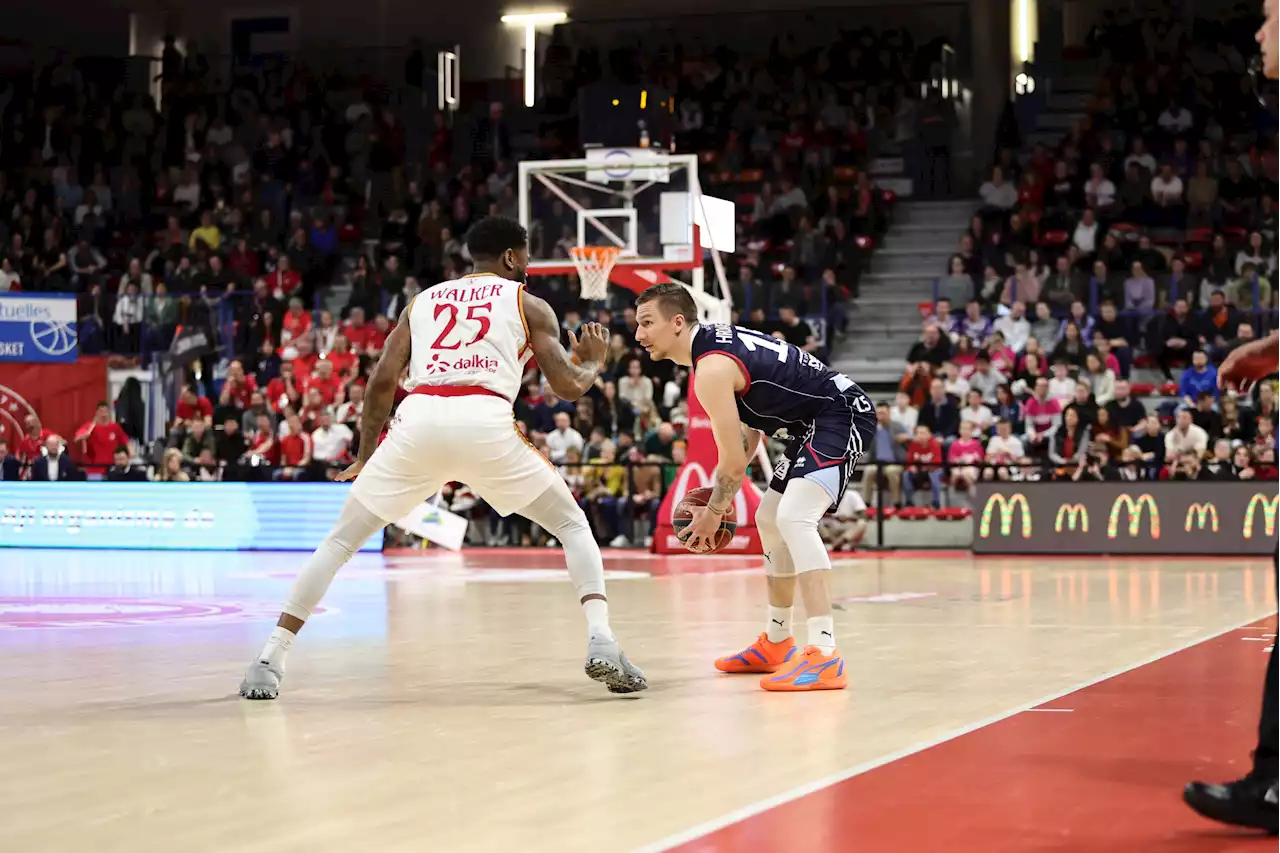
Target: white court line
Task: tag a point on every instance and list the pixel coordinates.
(1050, 711)
(740, 814)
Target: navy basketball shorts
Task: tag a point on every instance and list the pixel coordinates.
(829, 449)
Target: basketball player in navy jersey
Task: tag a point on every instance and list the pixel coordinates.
(1253, 800)
(751, 384)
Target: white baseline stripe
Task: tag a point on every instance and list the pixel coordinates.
(747, 811)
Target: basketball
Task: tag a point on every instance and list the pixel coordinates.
(683, 514)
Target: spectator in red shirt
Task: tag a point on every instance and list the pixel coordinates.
(285, 391)
(314, 406)
(295, 450)
(33, 438)
(284, 281)
(924, 465)
(325, 381)
(242, 261)
(346, 364)
(378, 337)
(263, 447)
(358, 332)
(191, 406)
(238, 387)
(296, 321)
(99, 439)
(304, 361)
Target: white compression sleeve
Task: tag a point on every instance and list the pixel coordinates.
(354, 526)
(801, 508)
(777, 558)
(558, 513)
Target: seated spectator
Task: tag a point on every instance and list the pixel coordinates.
(10, 465)
(942, 316)
(1022, 286)
(888, 453)
(964, 456)
(957, 285)
(1100, 378)
(1166, 194)
(1106, 434)
(974, 324)
(604, 483)
(295, 450)
(965, 355)
(903, 412)
(1139, 291)
(957, 386)
(1062, 387)
(797, 332)
(562, 438)
(1064, 286)
(1202, 196)
(1255, 253)
(99, 438)
(1085, 236)
(1005, 453)
(1070, 443)
(171, 468)
(199, 438)
(924, 466)
(1219, 323)
(1201, 376)
(1206, 417)
(1173, 338)
(1185, 436)
(991, 286)
(1072, 348)
(331, 443)
(976, 413)
(1249, 290)
(985, 379)
(933, 348)
(1186, 466)
(1003, 359)
(939, 413)
(1043, 413)
(1242, 464)
(1083, 403)
(998, 196)
(1125, 410)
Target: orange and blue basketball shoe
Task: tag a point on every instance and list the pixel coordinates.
(760, 656)
(810, 670)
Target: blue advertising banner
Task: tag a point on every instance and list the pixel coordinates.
(171, 516)
(38, 328)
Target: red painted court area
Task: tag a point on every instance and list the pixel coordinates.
(1100, 770)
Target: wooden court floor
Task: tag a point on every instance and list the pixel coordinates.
(438, 704)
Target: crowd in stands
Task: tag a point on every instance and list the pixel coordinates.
(288, 216)
(1144, 240)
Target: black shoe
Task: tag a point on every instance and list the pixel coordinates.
(1250, 801)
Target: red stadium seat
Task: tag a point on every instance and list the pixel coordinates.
(1056, 237)
(1195, 260)
(750, 176)
(1235, 234)
(1169, 389)
(1142, 389)
(846, 173)
(706, 158)
(1144, 361)
(953, 513)
(915, 513)
(1200, 235)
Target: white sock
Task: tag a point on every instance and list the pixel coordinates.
(597, 613)
(822, 633)
(779, 627)
(277, 647)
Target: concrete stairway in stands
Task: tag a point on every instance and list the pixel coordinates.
(885, 319)
(1068, 103)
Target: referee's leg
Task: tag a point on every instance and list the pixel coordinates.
(1250, 801)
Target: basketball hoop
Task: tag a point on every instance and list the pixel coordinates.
(594, 263)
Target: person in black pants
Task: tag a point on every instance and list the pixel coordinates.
(1255, 799)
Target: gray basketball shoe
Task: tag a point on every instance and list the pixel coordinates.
(261, 681)
(607, 664)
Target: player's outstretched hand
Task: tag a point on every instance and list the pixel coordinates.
(1248, 364)
(350, 472)
(591, 343)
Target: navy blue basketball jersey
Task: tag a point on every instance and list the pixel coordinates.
(787, 388)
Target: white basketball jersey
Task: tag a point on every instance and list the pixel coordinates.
(470, 331)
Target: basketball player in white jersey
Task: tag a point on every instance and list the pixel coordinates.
(465, 343)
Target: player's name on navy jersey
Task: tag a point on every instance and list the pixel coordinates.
(786, 386)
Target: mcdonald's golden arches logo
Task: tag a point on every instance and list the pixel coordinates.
(1007, 507)
(1071, 513)
(1269, 504)
(1202, 513)
(1134, 508)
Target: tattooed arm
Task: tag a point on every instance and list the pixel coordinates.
(381, 392)
(719, 378)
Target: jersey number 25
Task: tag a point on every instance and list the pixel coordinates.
(451, 337)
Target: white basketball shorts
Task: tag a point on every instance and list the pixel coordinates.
(468, 439)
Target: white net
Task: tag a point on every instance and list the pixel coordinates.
(594, 263)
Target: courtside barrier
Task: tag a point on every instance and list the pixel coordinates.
(1142, 517)
(171, 516)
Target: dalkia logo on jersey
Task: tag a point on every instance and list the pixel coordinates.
(471, 362)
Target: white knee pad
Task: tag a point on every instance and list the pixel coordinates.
(558, 513)
(777, 559)
(802, 506)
